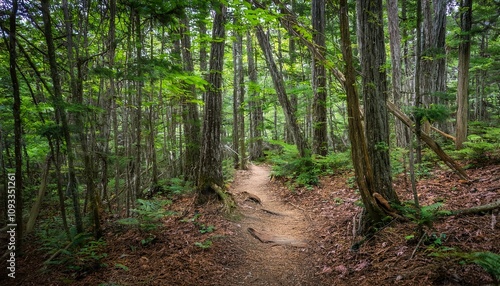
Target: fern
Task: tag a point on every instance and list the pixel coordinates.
(489, 261)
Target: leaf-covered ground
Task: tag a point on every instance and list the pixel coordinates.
(199, 246)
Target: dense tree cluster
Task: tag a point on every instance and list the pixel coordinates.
(105, 102)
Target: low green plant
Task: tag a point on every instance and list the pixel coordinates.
(147, 214)
(482, 144)
(178, 186)
(206, 229)
(205, 244)
(425, 216)
(83, 255)
(487, 260)
(201, 227)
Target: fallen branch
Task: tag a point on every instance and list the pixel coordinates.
(429, 141)
(444, 134)
(477, 209)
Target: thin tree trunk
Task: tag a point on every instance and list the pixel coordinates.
(418, 78)
(61, 113)
(76, 86)
(279, 86)
(320, 133)
(463, 73)
(138, 125)
(395, 46)
(35, 208)
(16, 185)
(255, 104)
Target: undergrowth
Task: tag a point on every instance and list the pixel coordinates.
(147, 214)
(304, 171)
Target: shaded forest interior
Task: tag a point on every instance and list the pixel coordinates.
(134, 118)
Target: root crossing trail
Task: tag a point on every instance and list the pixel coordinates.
(271, 237)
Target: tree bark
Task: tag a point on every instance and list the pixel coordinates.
(463, 73)
(210, 178)
(374, 82)
(320, 141)
(395, 46)
(279, 86)
(58, 103)
(16, 109)
(191, 119)
(359, 151)
(255, 104)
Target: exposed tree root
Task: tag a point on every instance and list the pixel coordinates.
(226, 197)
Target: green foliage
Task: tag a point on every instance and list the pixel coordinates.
(177, 186)
(304, 171)
(482, 144)
(121, 266)
(202, 227)
(301, 171)
(433, 113)
(424, 216)
(489, 261)
(148, 213)
(205, 244)
(83, 254)
(206, 229)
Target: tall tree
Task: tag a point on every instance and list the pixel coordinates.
(372, 55)
(191, 119)
(279, 86)
(359, 151)
(210, 178)
(16, 109)
(254, 103)
(395, 46)
(58, 102)
(238, 98)
(77, 75)
(320, 142)
(463, 72)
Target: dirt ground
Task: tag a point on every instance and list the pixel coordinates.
(289, 237)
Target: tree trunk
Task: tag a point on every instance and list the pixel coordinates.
(255, 104)
(191, 119)
(210, 178)
(35, 208)
(463, 73)
(395, 46)
(76, 87)
(320, 141)
(359, 151)
(429, 141)
(372, 55)
(237, 62)
(15, 185)
(138, 106)
(61, 113)
(279, 86)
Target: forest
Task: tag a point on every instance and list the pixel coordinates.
(250, 142)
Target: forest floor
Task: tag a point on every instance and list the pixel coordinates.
(284, 237)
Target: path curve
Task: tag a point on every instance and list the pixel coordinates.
(272, 236)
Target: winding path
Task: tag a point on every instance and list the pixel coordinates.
(271, 236)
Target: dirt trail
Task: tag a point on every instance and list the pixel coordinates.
(271, 237)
